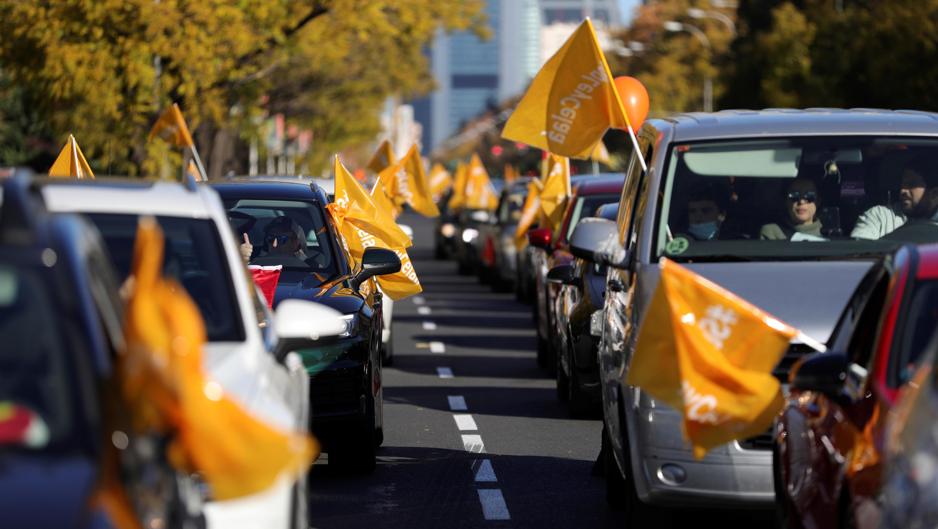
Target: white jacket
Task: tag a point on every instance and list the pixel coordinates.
(877, 221)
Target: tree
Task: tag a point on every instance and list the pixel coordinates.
(103, 69)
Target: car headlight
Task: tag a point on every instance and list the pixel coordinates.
(349, 320)
(448, 230)
(469, 235)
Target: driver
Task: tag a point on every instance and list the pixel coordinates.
(282, 236)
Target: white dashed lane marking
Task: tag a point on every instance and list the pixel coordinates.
(429, 326)
(465, 422)
(457, 403)
(437, 348)
(484, 473)
(473, 444)
(444, 372)
(418, 300)
(423, 311)
(493, 504)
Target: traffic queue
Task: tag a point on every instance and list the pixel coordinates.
(749, 307)
(194, 346)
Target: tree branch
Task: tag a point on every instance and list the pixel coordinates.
(318, 10)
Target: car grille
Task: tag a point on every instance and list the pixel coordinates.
(763, 441)
(335, 390)
(792, 355)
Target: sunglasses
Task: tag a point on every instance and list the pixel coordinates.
(798, 196)
(281, 239)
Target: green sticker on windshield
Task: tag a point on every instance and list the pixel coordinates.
(677, 246)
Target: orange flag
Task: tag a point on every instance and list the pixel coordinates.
(555, 191)
(166, 386)
(705, 351)
(440, 181)
(479, 193)
(571, 102)
(382, 158)
(171, 126)
(458, 199)
(71, 162)
(405, 182)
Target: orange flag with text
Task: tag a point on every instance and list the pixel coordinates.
(571, 102)
(710, 354)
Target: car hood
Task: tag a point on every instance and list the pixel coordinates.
(809, 296)
(30, 484)
(331, 292)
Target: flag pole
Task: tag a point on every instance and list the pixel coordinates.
(198, 162)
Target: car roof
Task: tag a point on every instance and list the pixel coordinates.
(601, 184)
(801, 122)
(140, 197)
(283, 189)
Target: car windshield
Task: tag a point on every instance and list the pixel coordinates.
(35, 383)
(288, 233)
(797, 198)
(509, 212)
(193, 256)
(586, 206)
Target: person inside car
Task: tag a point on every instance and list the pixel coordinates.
(706, 212)
(801, 206)
(282, 237)
(880, 220)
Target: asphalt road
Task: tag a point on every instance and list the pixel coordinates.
(474, 434)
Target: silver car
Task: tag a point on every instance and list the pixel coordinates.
(787, 209)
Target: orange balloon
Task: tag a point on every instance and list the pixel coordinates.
(634, 99)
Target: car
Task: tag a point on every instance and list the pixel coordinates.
(499, 255)
(840, 400)
(61, 320)
(203, 256)
(469, 246)
(719, 189)
(346, 384)
(446, 232)
(578, 313)
(597, 189)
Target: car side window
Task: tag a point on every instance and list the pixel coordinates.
(860, 346)
(633, 175)
(632, 197)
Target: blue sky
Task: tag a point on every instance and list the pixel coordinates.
(627, 7)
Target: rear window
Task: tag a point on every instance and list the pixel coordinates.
(194, 257)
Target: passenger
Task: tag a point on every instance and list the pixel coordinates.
(706, 212)
(801, 201)
(282, 237)
(881, 220)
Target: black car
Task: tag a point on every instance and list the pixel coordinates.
(447, 231)
(578, 359)
(60, 331)
(346, 388)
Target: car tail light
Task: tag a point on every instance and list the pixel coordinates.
(540, 238)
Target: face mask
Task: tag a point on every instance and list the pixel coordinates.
(704, 231)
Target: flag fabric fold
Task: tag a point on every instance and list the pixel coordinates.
(458, 199)
(556, 191)
(71, 162)
(709, 354)
(405, 182)
(440, 181)
(571, 102)
(530, 212)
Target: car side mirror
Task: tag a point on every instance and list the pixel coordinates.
(540, 238)
(597, 240)
(563, 274)
(298, 324)
(823, 373)
(376, 262)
